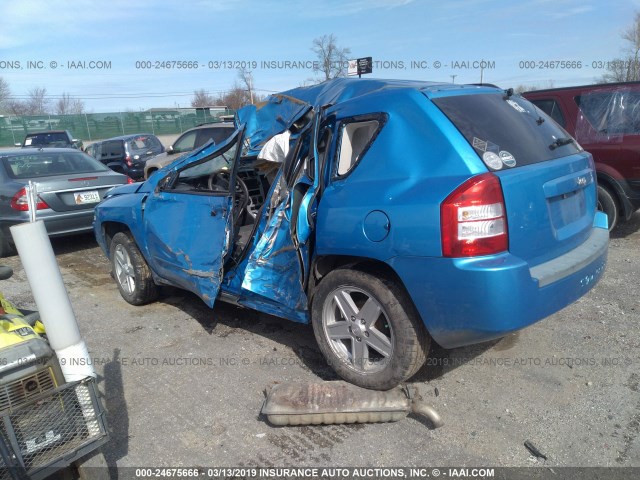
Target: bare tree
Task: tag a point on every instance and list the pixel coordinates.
(626, 68)
(528, 88)
(5, 93)
(201, 98)
(235, 98)
(246, 77)
(332, 60)
(68, 105)
(17, 107)
(37, 101)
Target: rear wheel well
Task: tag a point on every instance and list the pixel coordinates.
(325, 264)
(616, 192)
(111, 228)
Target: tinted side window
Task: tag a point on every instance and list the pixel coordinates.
(93, 150)
(506, 131)
(185, 143)
(112, 150)
(551, 108)
(219, 135)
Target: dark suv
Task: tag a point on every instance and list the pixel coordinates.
(127, 154)
(50, 139)
(190, 140)
(605, 119)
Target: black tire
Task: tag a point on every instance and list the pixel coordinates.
(131, 272)
(6, 247)
(607, 203)
(390, 321)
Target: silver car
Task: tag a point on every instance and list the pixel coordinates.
(188, 141)
(70, 184)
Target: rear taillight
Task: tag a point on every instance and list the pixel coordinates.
(130, 180)
(128, 161)
(473, 219)
(19, 202)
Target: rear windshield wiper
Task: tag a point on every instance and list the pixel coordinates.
(560, 142)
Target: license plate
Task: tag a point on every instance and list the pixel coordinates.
(86, 197)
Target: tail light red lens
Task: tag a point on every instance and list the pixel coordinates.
(473, 219)
(19, 202)
(130, 180)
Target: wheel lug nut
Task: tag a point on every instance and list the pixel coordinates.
(358, 339)
(362, 321)
(353, 319)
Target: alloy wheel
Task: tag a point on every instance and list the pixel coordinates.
(124, 270)
(357, 329)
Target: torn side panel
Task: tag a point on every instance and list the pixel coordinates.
(273, 273)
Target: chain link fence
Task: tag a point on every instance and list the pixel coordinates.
(89, 127)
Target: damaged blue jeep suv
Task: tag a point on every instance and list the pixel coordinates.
(403, 212)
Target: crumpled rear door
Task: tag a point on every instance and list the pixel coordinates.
(278, 266)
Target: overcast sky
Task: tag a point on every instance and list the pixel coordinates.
(100, 51)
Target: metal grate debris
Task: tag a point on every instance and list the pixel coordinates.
(51, 427)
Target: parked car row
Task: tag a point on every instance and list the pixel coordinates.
(127, 154)
(69, 182)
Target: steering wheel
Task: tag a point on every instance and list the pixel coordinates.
(220, 180)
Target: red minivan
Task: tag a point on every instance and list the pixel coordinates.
(605, 119)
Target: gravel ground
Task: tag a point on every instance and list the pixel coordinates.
(184, 384)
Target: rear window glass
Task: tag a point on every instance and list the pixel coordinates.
(506, 131)
(142, 144)
(612, 113)
(47, 164)
(46, 139)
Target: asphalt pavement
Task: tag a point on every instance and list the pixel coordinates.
(183, 384)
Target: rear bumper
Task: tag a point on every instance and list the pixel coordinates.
(136, 171)
(472, 300)
(59, 223)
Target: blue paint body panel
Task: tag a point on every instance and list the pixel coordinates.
(386, 209)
